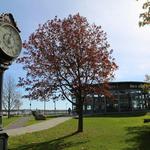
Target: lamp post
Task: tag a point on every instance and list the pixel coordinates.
(1, 83)
(10, 48)
(54, 106)
(66, 108)
(44, 106)
(30, 105)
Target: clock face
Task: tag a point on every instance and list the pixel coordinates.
(10, 41)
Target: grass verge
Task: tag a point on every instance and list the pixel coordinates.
(100, 133)
(7, 121)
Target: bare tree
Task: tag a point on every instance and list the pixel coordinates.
(11, 97)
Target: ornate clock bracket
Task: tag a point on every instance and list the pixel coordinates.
(8, 18)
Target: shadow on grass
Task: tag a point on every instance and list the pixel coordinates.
(55, 144)
(139, 138)
(118, 115)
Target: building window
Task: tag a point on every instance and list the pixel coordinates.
(95, 95)
(89, 107)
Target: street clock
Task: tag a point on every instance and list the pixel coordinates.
(10, 41)
(10, 48)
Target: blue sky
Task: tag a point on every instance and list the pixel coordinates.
(119, 18)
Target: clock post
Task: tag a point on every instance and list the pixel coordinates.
(10, 48)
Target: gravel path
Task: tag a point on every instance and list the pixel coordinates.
(37, 127)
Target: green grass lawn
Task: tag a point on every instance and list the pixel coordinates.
(114, 132)
(7, 121)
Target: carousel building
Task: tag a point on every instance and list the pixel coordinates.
(125, 97)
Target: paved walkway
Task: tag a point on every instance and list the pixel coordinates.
(37, 127)
(18, 123)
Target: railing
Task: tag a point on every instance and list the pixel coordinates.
(28, 112)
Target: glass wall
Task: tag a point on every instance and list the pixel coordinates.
(124, 97)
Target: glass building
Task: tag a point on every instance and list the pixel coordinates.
(125, 97)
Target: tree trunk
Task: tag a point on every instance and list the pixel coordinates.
(80, 119)
(8, 113)
(9, 105)
(8, 110)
